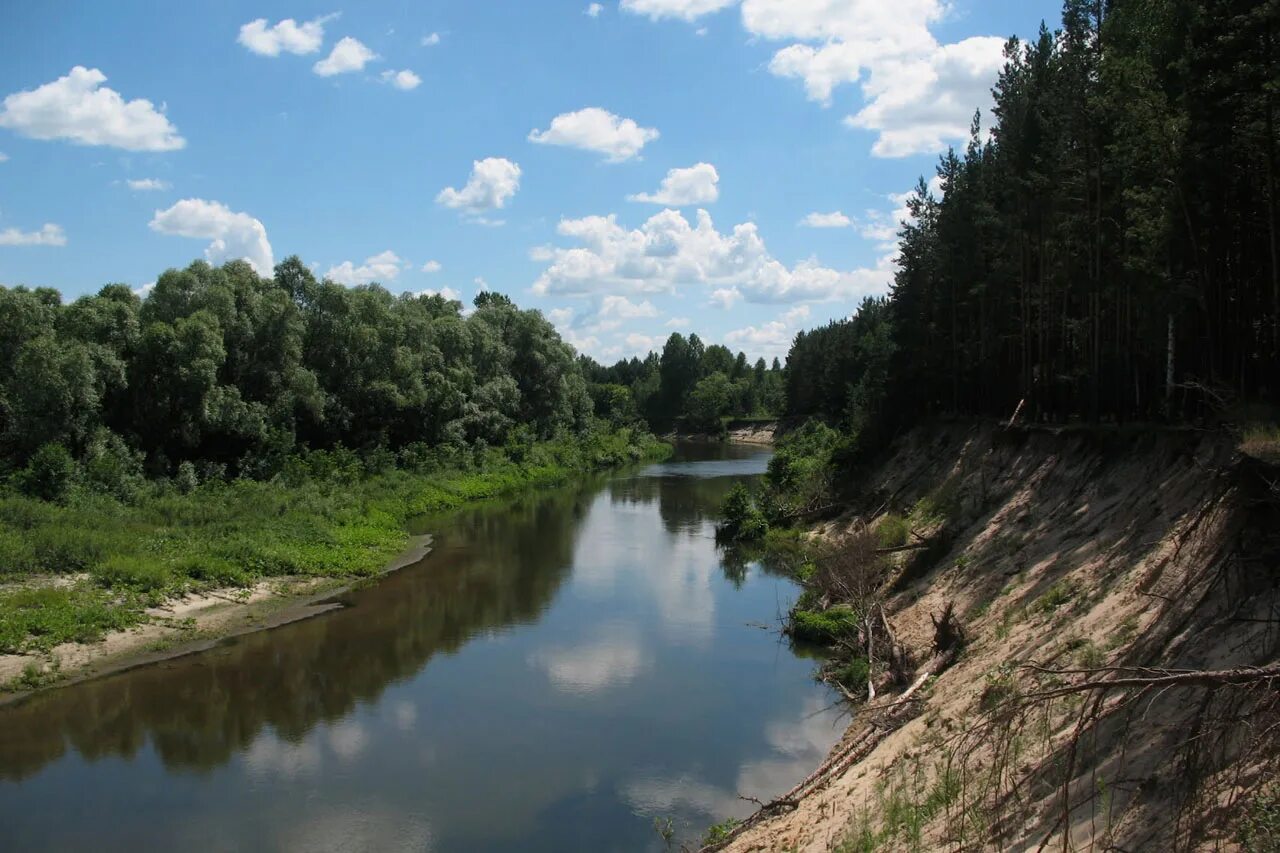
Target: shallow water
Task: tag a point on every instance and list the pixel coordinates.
(562, 670)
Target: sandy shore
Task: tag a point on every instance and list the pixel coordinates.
(190, 624)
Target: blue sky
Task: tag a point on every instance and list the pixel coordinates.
(521, 146)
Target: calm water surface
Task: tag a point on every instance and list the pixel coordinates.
(562, 669)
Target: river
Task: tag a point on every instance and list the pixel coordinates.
(564, 668)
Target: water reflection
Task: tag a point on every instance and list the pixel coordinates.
(563, 668)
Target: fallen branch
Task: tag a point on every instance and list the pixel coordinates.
(1244, 675)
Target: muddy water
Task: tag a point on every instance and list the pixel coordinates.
(561, 671)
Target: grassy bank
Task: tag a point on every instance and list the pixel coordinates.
(77, 570)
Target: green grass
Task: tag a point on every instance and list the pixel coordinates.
(232, 534)
(1261, 441)
(892, 531)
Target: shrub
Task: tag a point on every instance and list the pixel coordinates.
(110, 467)
(892, 531)
(741, 519)
(186, 480)
(824, 626)
(49, 475)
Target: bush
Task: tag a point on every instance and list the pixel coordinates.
(49, 475)
(186, 480)
(893, 531)
(110, 467)
(825, 626)
(740, 519)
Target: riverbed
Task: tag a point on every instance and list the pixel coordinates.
(565, 669)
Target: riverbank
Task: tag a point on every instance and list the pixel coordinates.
(743, 431)
(1068, 557)
(99, 585)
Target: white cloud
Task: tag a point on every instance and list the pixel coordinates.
(431, 40)
(446, 292)
(835, 219)
(795, 315)
(347, 55)
(726, 297)
(403, 80)
(287, 35)
(772, 339)
(560, 317)
(432, 267)
(80, 109)
(493, 182)
(147, 184)
(382, 267)
(144, 290)
(697, 184)
(234, 235)
(594, 129)
(668, 252)
(677, 322)
(622, 308)
(921, 106)
(48, 235)
(918, 95)
(685, 10)
(593, 10)
(4, 158)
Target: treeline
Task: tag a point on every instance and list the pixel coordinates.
(1110, 253)
(688, 385)
(220, 372)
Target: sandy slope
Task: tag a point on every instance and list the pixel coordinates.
(1069, 549)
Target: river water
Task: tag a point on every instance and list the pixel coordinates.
(561, 671)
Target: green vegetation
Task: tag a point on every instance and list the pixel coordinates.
(905, 804)
(1262, 441)
(893, 531)
(231, 427)
(323, 516)
(689, 386)
(1259, 830)
(718, 832)
(824, 626)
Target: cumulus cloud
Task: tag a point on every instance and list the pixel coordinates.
(48, 235)
(80, 109)
(288, 36)
(431, 40)
(493, 182)
(835, 219)
(347, 55)
(623, 308)
(446, 292)
(403, 80)
(233, 235)
(147, 184)
(593, 10)
(4, 158)
(668, 252)
(595, 129)
(677, 322)
(384, 266)
(918, 95)
(684, 10)
(432, 267)
(697, 184)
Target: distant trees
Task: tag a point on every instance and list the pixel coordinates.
(687, 383)
(231, 372)
(1110, 252)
